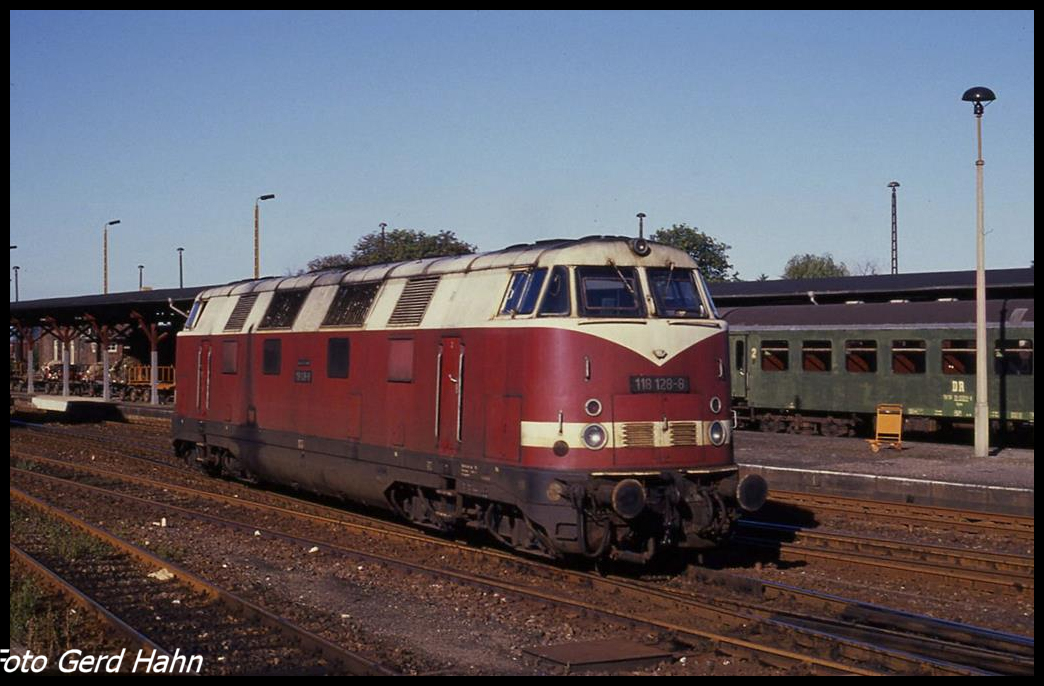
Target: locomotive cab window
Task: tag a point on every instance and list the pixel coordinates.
(775, 356)
(283, 309)
(861, 356)
(195, 313)
(909, 357)
(675, 294)
(609, 292)
(1013, 358)
(958, 357)
(523, 291)
(816, 356)
(556, 298)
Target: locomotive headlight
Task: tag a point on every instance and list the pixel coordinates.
(595, 436)
(715, 404)
(593, 407)
(718, 434)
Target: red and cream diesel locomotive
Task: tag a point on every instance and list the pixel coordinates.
(568, 396)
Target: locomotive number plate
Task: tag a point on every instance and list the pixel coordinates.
(659, 384)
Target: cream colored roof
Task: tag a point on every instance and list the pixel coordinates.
(592, 250)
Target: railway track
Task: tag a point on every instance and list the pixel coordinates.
(990, 572)
(228, 633)
(970, 521)
(801, 626)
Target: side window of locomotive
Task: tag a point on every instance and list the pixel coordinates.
(816, 356)
(523, 292)
(861, 356)
(1013, 357)
(775, 356)
(229, 355)
(400, 360)
(351, 304)
(271, 356)
(909, 357)
(609, 292)
(195, 313)
(674, 292)
(337, 354)
(283, 309)
(958, 357)
(556, 300)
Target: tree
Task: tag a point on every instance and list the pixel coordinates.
(398, 245)
(810, 266)
(711, 255)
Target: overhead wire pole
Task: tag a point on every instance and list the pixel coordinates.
(895, 231)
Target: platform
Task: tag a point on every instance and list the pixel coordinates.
(935, 474)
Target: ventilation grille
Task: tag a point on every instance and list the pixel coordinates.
(639, 435)
(413, 302)
(653, 435)
(684, 433)
(240, 313)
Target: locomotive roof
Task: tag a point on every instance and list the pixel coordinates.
(589, 250)
(959, 314)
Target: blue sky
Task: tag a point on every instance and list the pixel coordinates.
(775, 132)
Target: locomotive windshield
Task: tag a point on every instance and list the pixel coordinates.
(609, 292)
(675, 293)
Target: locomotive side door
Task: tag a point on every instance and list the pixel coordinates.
(449, 396)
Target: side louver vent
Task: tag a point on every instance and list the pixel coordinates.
(413, 302)
(240, 313)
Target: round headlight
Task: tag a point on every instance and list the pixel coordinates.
(718, 434)
(595, 436)
(593, 407)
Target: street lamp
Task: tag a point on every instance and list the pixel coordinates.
(257, 246)
(141, 282)
(981, 97)
(16, 268)
(181, 270)
(105, 254)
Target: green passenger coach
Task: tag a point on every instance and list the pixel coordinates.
(825, 368)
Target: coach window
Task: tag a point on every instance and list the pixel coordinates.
(283, 309)
(609, 292)
(1013, 357)
(861, 356)
(523, 292)
(271, 356)
(775, 356)
(556, 299)
(337, 354)
(229, 350)
(958, 356)
(816, 356)
(909, 357)
(740, 355)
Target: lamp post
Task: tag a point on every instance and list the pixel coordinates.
(257, 239)
(181, 270)
(105, 254)
(16, 268)
(981, 97)
(141, 281)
